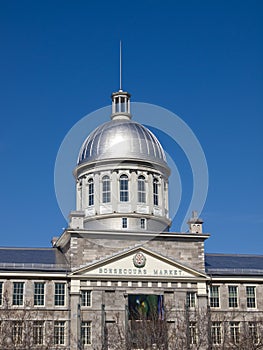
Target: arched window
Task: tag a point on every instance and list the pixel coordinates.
(141, 189)
(106, 195)
(91, 192)
(124, 188)
(155, 192)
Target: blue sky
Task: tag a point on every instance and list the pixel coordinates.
(200, 59)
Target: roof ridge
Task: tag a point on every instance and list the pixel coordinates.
(27, 248)
(235, 255)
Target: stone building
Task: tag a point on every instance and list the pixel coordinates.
(117, 266)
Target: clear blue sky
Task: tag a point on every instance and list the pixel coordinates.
(200, 59)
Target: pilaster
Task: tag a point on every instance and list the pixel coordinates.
(115, 191)
(133, 191)
(75, 323)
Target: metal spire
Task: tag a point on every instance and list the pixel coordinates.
(120, 99)
(120, 67)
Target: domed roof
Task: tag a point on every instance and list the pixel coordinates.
(122, 139)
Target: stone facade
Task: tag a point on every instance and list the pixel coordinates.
(117, 270)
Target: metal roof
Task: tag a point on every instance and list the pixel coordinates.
(233, 264)
(38, 259)
(124, 139)
(51, 259)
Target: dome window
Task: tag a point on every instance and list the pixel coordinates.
(124, 188)
(91, 192)
(106, 189)
(141, 189)
(155, 192)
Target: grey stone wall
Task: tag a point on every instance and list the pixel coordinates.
(85, 248)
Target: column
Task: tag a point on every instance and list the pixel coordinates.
(149, 194)
(161, 199)
(114, 191)
(119, 104)
(133, 191)
(75, 319)
(202, 295)
(78, 194)
(203, 309)
(84, 197)
(97, 193)
(166, 198)
(113, 105)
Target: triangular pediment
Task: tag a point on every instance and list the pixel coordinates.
(138, 262)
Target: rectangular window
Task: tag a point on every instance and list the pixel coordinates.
(155, 192)
(124, 188)
(253, 332)
(214, 296)
(141, 190)
(234, 332)
(86, 298)
(1, 293)
(91, 192)
(17, 332)
(106, 192)
(143, 224)
(38, 332)
(59, 333)
(251, 296)
(193, 332)
(216, 333)
(124, 222)
(86, 333)
(232, 296)
(18, 293)
(59, 294)
(190, 299)
(39, 293)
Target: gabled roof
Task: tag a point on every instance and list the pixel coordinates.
(37, 259)
(233, 264)
(122, 264)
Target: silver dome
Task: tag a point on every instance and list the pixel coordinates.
(122, 139)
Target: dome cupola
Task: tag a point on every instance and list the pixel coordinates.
(122, 175)
(122, 139)
(121, 105)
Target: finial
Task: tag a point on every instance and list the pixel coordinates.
(120, 67)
